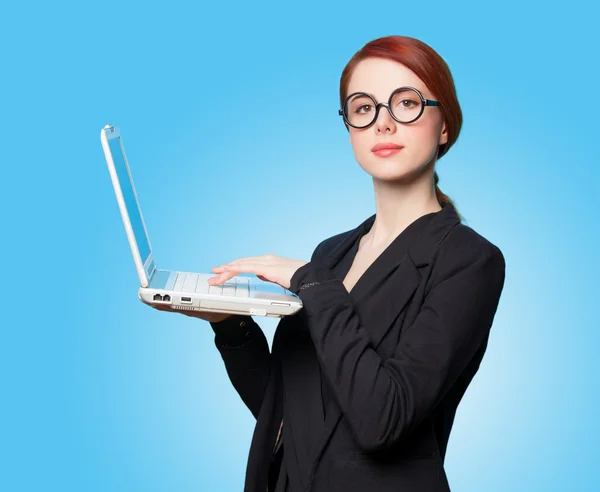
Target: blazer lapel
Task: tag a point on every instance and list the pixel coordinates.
(388, 284)
(385, 287)
(384, 291)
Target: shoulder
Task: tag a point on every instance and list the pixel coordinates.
(465, 250)
(464, 240)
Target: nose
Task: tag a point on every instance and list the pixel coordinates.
(384, 120)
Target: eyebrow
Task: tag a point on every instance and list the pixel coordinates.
(362, 95)
(365, 92)
(359, 95)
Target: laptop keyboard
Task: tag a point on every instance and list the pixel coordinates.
(192, 282)
(236, 286)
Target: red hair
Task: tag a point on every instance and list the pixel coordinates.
(429, 66)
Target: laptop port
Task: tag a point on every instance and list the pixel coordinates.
(158, 297)
(186, 299)
(166, 298)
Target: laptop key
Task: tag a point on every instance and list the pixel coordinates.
(189, 285)
(242, 291)
(215, 289)
(242, 288)
(179, 282)
(229, 289)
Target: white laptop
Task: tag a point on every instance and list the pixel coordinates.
(184, 290)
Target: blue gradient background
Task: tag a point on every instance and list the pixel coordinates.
(228, 108)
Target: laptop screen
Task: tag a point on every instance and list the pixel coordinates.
(133, 208)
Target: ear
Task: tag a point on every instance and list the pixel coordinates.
(443, 135)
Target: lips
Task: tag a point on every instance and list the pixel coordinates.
(386, 146)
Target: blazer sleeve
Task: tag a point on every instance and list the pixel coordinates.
(383, 400)
(245, 352)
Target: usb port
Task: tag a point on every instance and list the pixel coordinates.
(186, 299)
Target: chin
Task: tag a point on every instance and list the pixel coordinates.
(396, 175)
(389, 170)
(392, 178)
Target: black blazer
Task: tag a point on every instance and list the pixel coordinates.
(397, 353)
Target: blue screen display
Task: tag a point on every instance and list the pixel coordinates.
(133, 208)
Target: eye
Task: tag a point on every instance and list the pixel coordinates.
(409, 101)
(358, 110)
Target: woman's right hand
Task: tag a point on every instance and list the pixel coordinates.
(209, 316)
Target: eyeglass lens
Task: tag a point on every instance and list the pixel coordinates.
(405, 105)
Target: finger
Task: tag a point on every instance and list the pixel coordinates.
(252, 259)
(222, 268)
(255, 268)
(234, 262)
(224, 277)
(241, 262)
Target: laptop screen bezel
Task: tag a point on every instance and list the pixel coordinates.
(144, 269)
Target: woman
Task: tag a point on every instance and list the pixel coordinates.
(362, 385)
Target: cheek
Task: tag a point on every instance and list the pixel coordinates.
(420, 136)
(361, 143)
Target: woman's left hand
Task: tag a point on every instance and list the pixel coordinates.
(271, 268)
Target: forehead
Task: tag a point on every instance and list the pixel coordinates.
(379, 77)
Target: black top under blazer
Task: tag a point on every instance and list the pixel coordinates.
(367, 383)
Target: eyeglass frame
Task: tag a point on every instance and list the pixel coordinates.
(424, 102)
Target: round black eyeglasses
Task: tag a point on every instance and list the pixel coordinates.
(405, 105)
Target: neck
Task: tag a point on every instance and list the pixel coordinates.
(398, 204)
